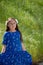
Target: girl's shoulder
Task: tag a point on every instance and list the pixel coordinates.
(6, 33)
(18, 32)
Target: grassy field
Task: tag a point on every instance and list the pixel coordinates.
(30, 16)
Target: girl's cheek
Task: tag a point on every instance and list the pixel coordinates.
(10, 27)
(14, 26)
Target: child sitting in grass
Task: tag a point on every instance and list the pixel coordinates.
(13, 50)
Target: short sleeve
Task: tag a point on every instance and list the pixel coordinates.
(4, 40)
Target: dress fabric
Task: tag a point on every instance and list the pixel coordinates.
(14, 54)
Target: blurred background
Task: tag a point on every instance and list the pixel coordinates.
(30, 16)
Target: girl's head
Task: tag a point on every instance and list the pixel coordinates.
(12, 24)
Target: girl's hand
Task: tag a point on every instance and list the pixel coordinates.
(3, 49)
(23, 47)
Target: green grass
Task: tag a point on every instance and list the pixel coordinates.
(30, 16)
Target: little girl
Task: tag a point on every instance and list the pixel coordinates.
(13, 50)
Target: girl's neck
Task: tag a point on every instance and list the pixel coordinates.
(12, 30)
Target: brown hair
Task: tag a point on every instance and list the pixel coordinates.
(7, 28)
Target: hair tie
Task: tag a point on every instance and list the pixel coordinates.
(6, 22)
(9, 20)
(16, 21)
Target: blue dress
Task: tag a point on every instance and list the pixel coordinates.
(14, 54)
